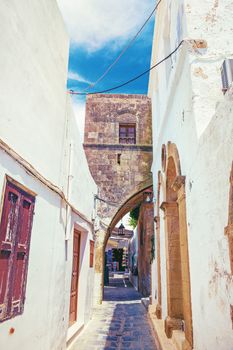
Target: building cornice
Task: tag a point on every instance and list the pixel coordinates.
(121, 147)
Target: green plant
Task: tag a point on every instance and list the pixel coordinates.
(152, 252)
(133, 216)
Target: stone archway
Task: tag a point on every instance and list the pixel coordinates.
(104, 233)
(119, 161)
(178, 277)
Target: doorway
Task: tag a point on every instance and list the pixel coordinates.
(75, 278)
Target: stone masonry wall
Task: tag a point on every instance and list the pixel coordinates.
(145, 247)
(118, 169)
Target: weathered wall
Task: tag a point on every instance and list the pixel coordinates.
(44, 322)
(33, 64)
(36, 120)
(190, 110)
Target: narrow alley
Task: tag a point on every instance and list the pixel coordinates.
(116, 175)
(121, 322)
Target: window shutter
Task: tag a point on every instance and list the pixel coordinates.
(15, 231)
(22, 253)
(8, 228)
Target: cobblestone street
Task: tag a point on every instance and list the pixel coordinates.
(119, 323)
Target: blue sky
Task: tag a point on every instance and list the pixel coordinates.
(99, 30)
(91, 65)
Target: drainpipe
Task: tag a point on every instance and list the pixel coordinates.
(69, 190)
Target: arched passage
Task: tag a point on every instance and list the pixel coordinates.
(104, 233)
(177, 259)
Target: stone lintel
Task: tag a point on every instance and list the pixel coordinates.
(119, 147)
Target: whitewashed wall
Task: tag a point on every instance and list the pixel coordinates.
(37, 121)
(190, 110)
(44, 322)
(33, 65)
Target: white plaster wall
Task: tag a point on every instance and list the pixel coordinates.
(207, 208)
(190, 110)
(37, 121)
(33, 64)
(44, 323)
(83, 186)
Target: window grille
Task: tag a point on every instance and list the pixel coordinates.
(127, 133)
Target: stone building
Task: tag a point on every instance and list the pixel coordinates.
(117, 144)
(145, 230)
(192, 103)
(46, 231)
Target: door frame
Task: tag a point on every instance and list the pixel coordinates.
(78, 233)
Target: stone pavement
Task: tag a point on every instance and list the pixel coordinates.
(119, 323)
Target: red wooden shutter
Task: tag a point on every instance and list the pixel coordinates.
(22, 252)
(8, 228)
(15, 230)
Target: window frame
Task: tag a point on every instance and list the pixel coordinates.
(127, 137)
(15, 251)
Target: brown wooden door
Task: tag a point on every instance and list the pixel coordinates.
(74, 278)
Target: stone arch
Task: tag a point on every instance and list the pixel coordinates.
(178, 277)
(104, 233)
(172, 152)
(130, 203)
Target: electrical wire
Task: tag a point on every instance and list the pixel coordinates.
(91, 85)
(129, 81)
(105, 201)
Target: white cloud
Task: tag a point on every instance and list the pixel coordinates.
(95, 23)
(78, 77)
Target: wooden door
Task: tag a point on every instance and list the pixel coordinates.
(74, 278)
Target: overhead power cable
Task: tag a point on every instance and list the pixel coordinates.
(91, 85)
(129, 81)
